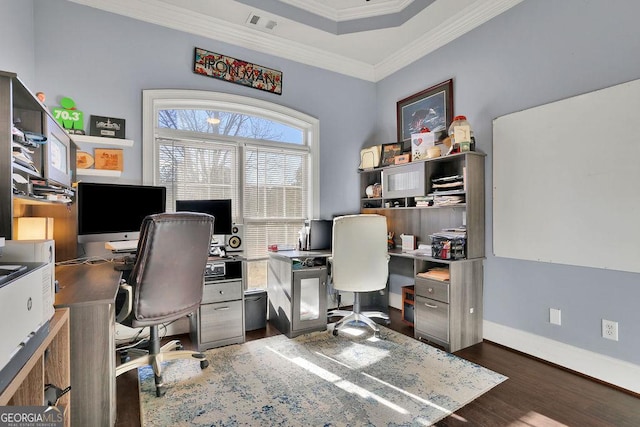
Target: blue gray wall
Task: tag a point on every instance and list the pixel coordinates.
(538, 52)
(17, 53)
(104, 61)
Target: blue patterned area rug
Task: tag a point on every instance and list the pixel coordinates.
(316, 380)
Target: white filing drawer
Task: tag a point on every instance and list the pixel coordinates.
(432, 319)
(221, 321)
(222, 291)
(432, 289)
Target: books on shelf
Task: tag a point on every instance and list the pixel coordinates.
(423, 201)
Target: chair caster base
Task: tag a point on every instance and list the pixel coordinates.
(204, 364)
(335, 332)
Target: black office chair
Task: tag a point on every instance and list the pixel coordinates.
(166, 283)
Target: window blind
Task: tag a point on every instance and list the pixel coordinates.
(274, 184)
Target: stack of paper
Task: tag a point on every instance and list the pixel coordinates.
(22, 156)
(437, 273)
(447, 200)
(448, 183)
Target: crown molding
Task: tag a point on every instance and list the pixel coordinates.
(466, 20)
(167, 15)
(389, 7)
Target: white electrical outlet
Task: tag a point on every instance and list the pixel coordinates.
(610, 329)
(555, 316)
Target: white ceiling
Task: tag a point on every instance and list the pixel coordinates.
(338, 35)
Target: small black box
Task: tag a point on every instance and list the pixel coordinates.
(107, 127)
(255, 309)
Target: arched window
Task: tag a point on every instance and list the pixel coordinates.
(262, 156)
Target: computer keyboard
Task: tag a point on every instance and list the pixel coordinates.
(122, 246)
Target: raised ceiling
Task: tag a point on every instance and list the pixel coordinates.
(365, 39)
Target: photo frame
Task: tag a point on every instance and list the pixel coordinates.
(431, 108)
(109, 159)
(389, 152)
(84, 160)
(106, 127)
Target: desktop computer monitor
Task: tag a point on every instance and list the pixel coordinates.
(320, 233)
(114, 212)
(220, 209)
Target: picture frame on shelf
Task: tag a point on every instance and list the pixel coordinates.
(106, 127)
(389, 152)
(109, 159)
(84, 160)
(430, 108)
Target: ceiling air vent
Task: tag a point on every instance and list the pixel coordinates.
(261, 23)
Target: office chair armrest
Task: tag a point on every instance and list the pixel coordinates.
(128, 303)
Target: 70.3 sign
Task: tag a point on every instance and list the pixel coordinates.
(68, 117)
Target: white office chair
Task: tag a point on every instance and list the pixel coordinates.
(359, 264)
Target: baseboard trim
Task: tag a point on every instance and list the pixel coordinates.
(395, 300)
(617, 372)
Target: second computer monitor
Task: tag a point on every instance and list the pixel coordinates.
(219, 208)
(320, 233)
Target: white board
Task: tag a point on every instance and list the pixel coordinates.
(566, 181)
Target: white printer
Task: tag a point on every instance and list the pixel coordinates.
(21, 312)
(26, 294)
(41, 251)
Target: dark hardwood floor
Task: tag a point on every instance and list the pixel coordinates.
(536, 393)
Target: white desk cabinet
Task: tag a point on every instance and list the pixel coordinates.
(220, 319)
(449, 313)
(297, 291)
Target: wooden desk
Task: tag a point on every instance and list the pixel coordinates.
(27, 387)
(287, 294)
(90, 293)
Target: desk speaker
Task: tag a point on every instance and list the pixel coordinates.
(235, 240)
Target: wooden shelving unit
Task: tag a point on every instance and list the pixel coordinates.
(19, 105)
(447, 313)
(408, 307)
(48, 365)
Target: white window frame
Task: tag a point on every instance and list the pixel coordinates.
(154, 100)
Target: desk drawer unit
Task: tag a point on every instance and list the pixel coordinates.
(432, 289)
(221, 321)
(449, 313)
(222, 291)
(432, 320)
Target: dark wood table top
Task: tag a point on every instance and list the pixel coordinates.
(87, 284)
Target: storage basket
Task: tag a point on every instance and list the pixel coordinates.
(444, 248)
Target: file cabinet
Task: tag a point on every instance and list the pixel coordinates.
(449, 313)
(220, 319)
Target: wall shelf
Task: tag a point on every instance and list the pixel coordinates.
(98, 172)
(102, 141)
